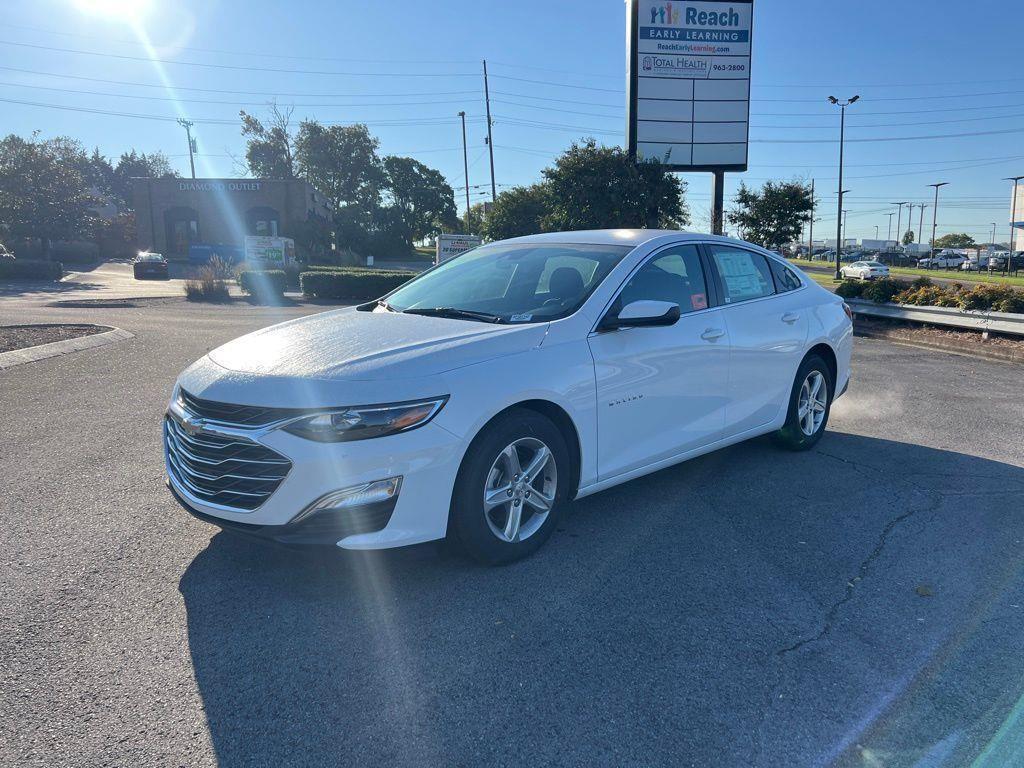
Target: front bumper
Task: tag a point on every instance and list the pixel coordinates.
(322, 529)
(427, 459)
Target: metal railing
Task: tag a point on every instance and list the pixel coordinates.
(982, 320)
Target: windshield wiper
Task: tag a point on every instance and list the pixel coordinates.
(385, 305)
(453, 312)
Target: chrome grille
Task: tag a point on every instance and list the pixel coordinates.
(228, 471)
(236, 415)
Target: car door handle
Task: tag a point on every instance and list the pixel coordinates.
(790, 317)
(712, 334)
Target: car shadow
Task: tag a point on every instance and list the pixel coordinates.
(752, 606)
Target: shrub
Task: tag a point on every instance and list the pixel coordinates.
(982, 297)
(883, 290)
(850, 289)
(30, 269)
(209, 283)
(351, 283)
(264, 285)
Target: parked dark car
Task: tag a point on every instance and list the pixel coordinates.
(150, 265)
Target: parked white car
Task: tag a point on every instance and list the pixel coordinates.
(864, 270)
(942, 261)
(477, 399)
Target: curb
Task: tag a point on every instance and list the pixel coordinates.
(55, 348)
(935, 346)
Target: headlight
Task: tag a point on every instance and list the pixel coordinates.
(364, 422)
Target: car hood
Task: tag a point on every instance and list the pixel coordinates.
(348, 345)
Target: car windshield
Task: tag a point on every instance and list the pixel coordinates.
(150, 257)
(510, 282)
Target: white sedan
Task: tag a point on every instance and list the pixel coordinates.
(864, 270)
(477, 399)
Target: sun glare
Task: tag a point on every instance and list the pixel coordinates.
(126, 10)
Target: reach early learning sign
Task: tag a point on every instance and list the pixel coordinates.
(689, 82)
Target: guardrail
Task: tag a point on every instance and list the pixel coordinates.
(998, 322)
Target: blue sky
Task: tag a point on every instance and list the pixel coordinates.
(557, 74)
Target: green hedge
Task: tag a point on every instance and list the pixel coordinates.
(924, 293)
(29, 269)
(263, 284)
(350, 283)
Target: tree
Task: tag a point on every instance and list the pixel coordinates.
(955, 240)
(137, 165)
(44, 192)
(908, 237)
(775, 215)
(424, 202)
(517, 211)
(270, 145)
(341, 161)
(592, 187)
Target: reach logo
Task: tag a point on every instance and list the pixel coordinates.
(665, 14)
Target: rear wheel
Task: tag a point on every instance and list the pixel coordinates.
(809, 406)
(510, 488)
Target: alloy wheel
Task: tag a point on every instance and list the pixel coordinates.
(520, 489)
(812, 403)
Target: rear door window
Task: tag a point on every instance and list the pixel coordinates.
(745, 275)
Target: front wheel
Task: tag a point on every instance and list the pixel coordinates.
(809, 406)
(510, 488)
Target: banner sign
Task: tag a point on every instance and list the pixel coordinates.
(689, 82)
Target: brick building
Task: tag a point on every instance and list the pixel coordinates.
(172, 214)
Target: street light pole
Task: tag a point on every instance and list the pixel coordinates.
(888, 235)
(842, 137)
(187, 125)
(993, 240)
(810, 236)
(1013, 214)
(935, 212)
(465, 167)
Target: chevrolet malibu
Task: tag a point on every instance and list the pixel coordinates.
(476, 400)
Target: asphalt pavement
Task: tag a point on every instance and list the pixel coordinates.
(861, 604)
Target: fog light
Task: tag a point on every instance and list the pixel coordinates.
(354, 496)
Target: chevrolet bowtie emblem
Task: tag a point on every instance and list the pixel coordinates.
(191, 425)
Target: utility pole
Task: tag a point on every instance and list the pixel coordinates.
(920, 223)
(187, 125)
(810, 237)
(993, 240)
(1013, 215)
(910, 219)
(465, 167)
(490, 137)
(876, 231)
(888, 232)
(935, 212)
(842, 135)
(899, 222)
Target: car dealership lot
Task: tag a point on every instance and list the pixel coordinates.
(751, 607)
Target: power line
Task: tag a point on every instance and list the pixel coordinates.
(236, 67)
(223, 102)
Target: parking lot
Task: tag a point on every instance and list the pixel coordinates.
(860, 604)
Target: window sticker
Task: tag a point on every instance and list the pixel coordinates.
(699, 301)
(522, 318)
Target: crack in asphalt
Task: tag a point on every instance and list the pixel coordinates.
(862, 571)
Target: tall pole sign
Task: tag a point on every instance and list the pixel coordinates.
(688, 86)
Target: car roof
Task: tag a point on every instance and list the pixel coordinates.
(630, 237)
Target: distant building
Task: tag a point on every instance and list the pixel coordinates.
(172, 214)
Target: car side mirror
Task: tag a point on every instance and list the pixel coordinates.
(641, 314)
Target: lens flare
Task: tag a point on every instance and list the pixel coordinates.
(127, 10)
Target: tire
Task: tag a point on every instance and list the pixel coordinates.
(794, 434)
(481, 531)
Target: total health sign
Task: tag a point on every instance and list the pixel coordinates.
(689, 82)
